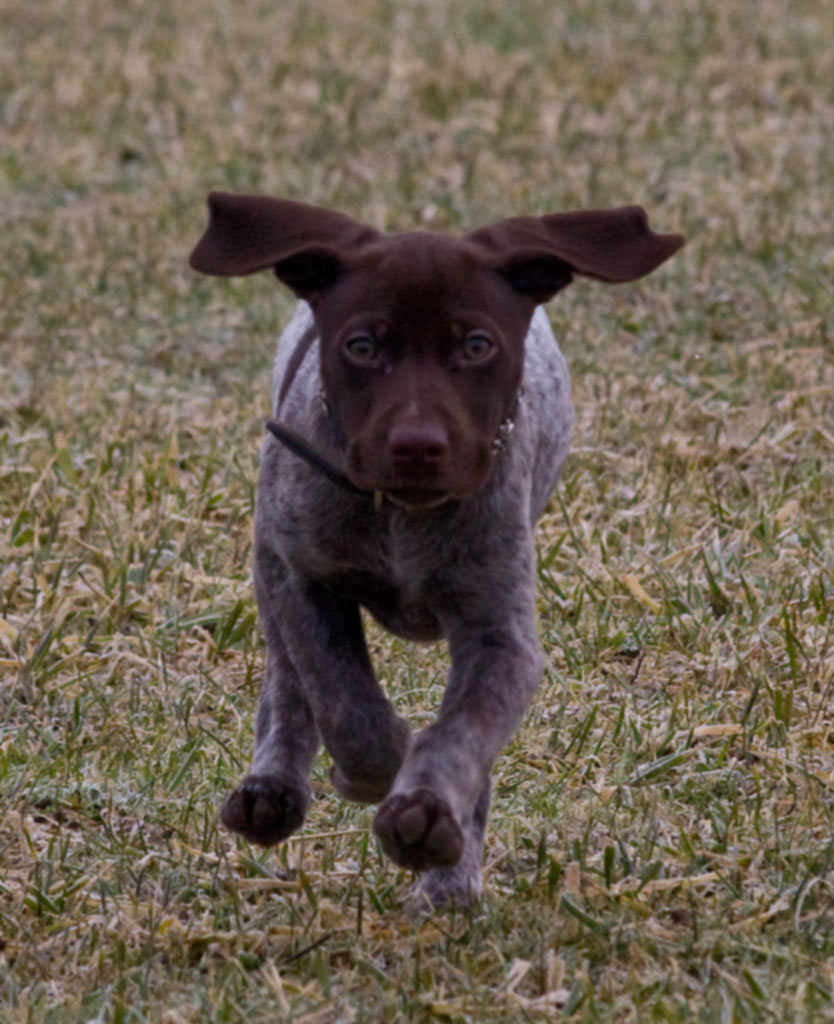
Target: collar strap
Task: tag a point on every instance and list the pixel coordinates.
(298, 446)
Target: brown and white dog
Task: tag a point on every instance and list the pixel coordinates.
(425, 414)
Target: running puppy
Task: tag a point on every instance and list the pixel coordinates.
(424, 414)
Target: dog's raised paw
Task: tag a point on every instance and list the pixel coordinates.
(418, 830)
(265, 809)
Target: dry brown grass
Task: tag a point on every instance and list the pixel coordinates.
(661, 841)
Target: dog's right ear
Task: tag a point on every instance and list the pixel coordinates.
(307, 246)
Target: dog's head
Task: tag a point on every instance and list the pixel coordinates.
(422, 335)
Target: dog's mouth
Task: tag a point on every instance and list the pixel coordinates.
(418, 498)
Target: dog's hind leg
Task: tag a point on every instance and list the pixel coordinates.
(460, 884)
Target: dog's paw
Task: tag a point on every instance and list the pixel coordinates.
(265, 808)
(361, 790)
(418, 830)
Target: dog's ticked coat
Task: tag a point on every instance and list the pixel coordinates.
(419, 366)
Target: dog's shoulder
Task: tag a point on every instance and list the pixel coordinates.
(546, 411)
(297, 356)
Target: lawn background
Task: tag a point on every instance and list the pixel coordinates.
(661, 842)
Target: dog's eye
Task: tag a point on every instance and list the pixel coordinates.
(362, 347)
(477, 347)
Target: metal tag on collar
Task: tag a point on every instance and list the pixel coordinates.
(502, 438)
(505, 431)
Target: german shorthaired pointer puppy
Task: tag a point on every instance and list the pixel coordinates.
(424, 415)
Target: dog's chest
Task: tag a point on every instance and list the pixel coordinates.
(403, 609)
(398, 573)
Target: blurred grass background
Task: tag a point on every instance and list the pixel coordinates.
(661, 842)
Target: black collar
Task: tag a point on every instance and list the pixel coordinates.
(298, 446)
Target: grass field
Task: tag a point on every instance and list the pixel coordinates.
(662, 841)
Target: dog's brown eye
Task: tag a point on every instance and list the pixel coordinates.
(477, 347)
(362, 347)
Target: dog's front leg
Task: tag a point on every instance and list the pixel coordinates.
(319, 682)
(360, 729)
(271, 802)
(323, 635)
(434, 817)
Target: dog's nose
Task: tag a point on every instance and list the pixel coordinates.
(416, 444)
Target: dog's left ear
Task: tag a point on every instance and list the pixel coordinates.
(539, 256)
(307, 246)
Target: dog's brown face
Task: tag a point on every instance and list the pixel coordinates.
(422, 335)
(422, 352)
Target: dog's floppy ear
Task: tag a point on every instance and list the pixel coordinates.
(307, 246)
(538, 256)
